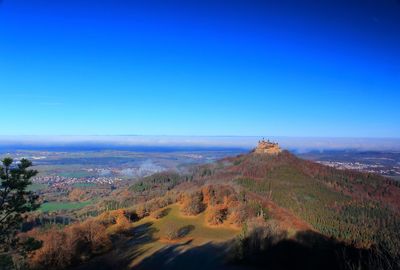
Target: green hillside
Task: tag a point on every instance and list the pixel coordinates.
(344, 204)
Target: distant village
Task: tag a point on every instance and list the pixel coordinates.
(370, 168)
(56, 181)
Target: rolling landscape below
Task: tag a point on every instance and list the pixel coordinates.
(215, 209)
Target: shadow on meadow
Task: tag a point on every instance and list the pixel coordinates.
(208, 256)
(126, 250)
(306, 250)
(184, 231)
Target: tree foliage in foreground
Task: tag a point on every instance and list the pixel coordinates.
(15, 199)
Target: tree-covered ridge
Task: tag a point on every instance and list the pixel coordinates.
(347, 205)
(163, 181)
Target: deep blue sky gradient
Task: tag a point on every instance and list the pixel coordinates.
(284, 68)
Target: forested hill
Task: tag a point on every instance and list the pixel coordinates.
(345, 204)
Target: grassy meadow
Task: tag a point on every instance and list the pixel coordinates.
(201, 232)
(147, 237)
(57, 206)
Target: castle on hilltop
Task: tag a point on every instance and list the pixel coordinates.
(267, 147)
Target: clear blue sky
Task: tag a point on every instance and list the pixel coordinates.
(200, 67)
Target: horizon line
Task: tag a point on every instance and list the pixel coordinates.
(199, 136)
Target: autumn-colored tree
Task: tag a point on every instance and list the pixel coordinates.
(57, 251)
(77, 194)
(159, 213)
(238, 214)
(172, 231)
(122, 222)
(217, 215)
(193, 204)
(89, 237)
(142, 211)
(62, 248)
(218, 194)
(208, 194)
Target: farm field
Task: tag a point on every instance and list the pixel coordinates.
(57, 206)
